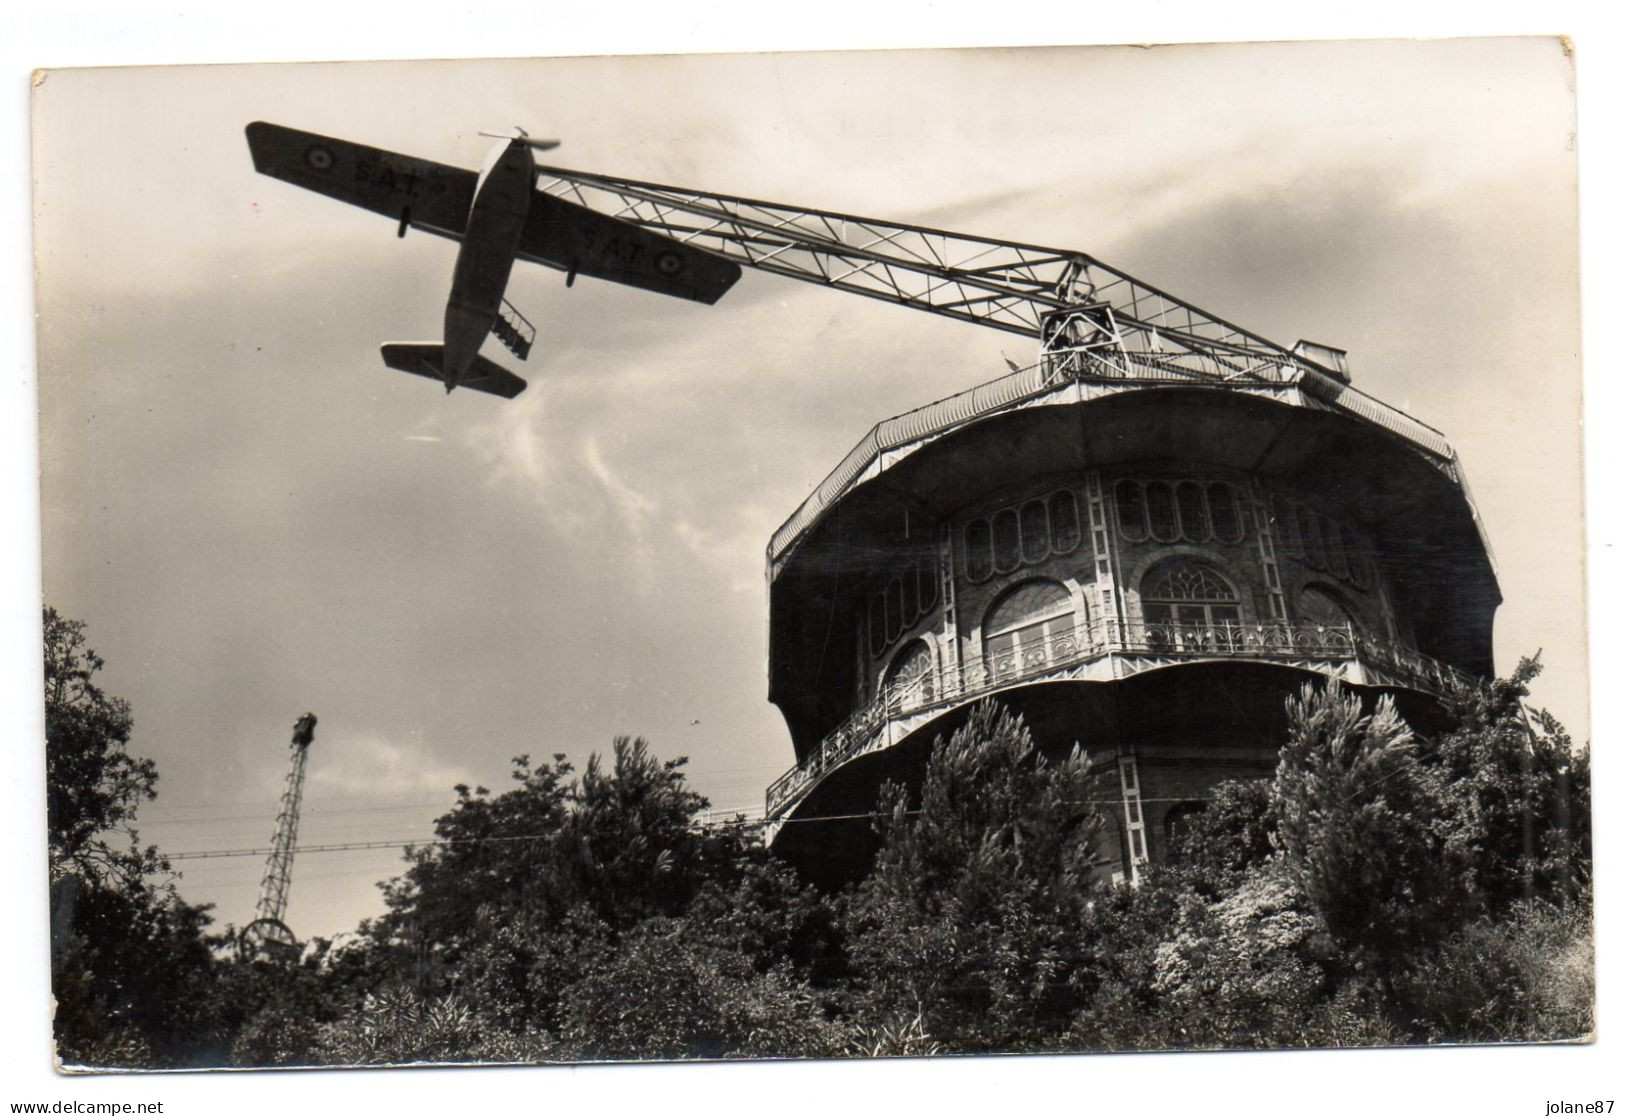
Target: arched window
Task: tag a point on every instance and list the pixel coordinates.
(910, 682)
(1328, 614)
(1188, 606)
(1323, 608)
(1029, 627)
(1185, 591)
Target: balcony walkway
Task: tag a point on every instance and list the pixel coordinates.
(1104, 651)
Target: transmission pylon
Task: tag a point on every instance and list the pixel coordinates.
(268, 936)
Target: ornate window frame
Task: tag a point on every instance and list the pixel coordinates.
(1036, 639)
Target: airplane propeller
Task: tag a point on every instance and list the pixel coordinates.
(524, 137)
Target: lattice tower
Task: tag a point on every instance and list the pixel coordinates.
(279, 865)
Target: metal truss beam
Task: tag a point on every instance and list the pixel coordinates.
(1068, 300)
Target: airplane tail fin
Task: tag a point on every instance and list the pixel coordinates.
(425, 359)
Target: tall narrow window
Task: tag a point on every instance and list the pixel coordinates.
(1063, 521)
(1193, 524)
(1029, 628)
(1284, 518)
(1337, 549)
(877, 624)
(978, 550)
(1034, 531)
(1159, 508)
(1006, 541)
(928, 583)
(1131, 510)
(1227, 525)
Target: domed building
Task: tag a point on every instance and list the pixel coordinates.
(1141, 556)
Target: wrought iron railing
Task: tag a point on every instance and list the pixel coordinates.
(1171, 642)
(1113, 363)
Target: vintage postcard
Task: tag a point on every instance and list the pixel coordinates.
(813, 556)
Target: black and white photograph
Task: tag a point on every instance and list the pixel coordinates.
(812, 556)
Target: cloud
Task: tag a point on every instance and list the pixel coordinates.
(634, 506)
(373, 766)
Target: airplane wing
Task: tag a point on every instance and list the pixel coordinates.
(427, 195)
(437, 198)
(573, 238)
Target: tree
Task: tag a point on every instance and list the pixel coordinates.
(130, 966)
(529, 891)
(93, 785)
(1516, 794)
(1357, 828)
(1233, 834)
(970, 918)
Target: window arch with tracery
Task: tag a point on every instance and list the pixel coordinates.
(910, 681)
(1029, 627)
(1188, 593)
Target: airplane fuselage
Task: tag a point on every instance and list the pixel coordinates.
(497, 216)
(485, 260)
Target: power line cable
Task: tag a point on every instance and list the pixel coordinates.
(738, 820)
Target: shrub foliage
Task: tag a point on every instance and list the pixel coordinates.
(1381, 888)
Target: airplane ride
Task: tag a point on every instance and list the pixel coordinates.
(499, 216)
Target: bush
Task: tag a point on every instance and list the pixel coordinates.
(1526, 977)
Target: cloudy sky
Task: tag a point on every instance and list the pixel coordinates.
(255, 518)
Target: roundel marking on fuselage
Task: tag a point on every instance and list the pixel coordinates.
(319, 157)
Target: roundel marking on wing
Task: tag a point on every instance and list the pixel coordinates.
(319, 157)
(668, 263)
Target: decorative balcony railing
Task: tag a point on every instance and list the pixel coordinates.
(1120, 649)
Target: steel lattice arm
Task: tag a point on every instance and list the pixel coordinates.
(1068, 300)
(273, 902)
